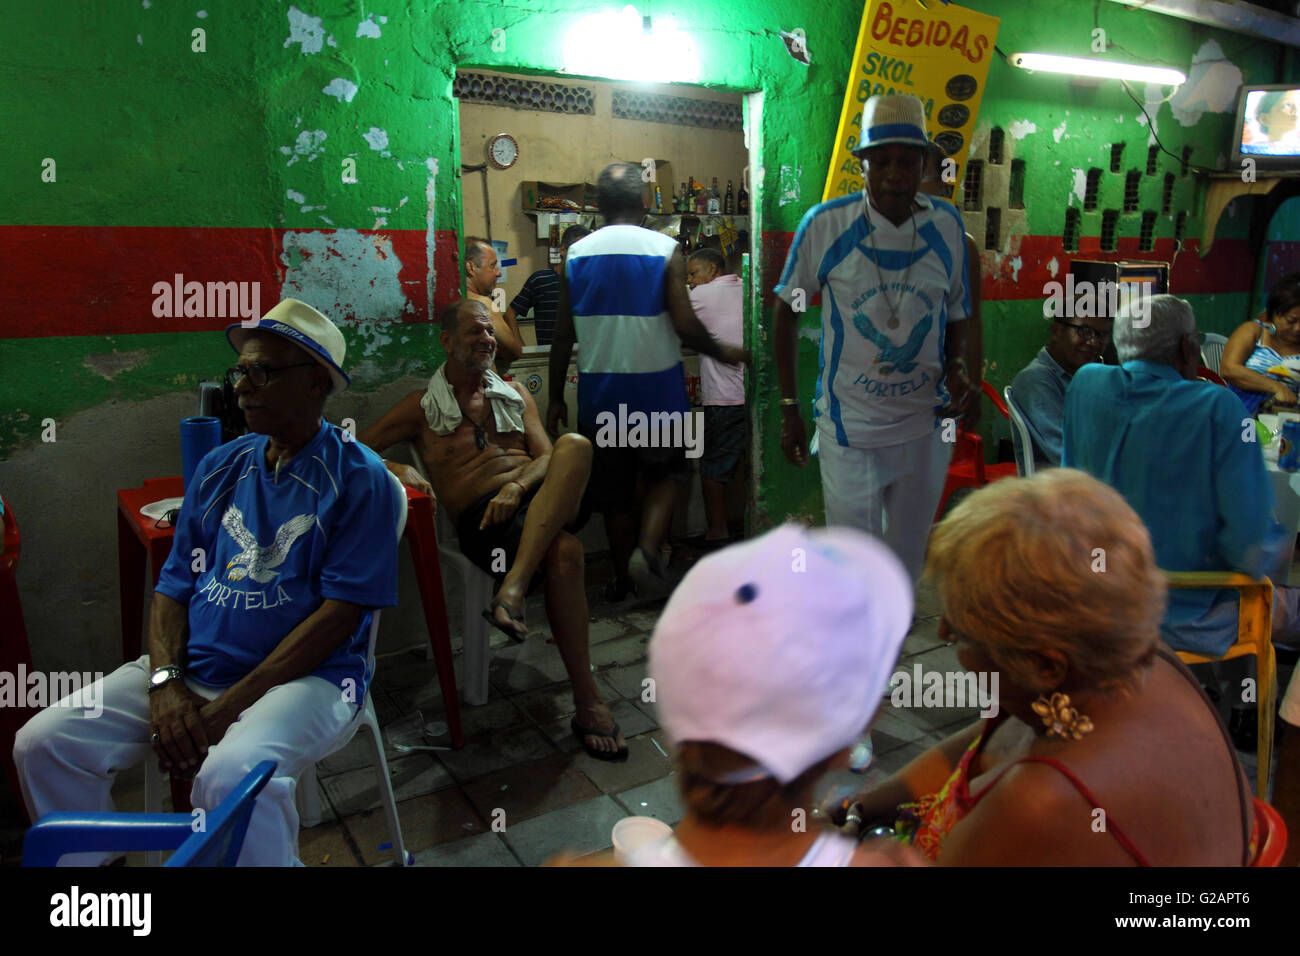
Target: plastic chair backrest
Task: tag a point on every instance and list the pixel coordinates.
(1212, 351)
(1272, 835)
(223, 835)
(995, 398)
(1021, 443)
(400, 490)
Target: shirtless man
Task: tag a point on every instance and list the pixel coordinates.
(481, 274)
(510, 494)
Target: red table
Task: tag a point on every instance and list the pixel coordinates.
(138, 539)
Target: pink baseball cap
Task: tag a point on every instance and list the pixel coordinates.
(781, 647)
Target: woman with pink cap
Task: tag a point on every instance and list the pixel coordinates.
(768, 663)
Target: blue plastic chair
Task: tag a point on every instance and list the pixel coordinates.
(218, 844)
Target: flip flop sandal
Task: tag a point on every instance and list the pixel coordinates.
(614, 756)
(489, 615)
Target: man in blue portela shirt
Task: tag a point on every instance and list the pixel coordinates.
(1183, 454)
(285, 545)
(1039, 389)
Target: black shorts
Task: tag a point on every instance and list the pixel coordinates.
(724, 441)
(615, 471)
(493, 548)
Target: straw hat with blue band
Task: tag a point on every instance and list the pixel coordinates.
(304, 326)
(897, 118)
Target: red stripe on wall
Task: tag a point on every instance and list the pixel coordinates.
(1230, 266)
(99, 280)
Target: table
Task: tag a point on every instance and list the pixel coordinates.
(138, 540)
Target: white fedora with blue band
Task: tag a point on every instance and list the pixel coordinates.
(304, 326)
(898, 118)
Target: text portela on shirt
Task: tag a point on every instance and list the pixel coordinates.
(219, 594)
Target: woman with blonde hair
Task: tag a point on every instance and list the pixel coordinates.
(1104, 751)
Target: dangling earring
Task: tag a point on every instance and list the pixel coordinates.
(1061, 719)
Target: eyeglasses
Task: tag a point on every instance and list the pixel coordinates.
(1086, 333)
(259, 375)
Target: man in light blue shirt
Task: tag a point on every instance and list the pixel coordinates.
(1039, 389)
(1182, 453)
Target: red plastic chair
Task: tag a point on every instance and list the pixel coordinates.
(14, 651)
(1210, 375)
(967, 469)
(1272, 835)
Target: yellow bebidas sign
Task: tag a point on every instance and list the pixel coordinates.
(938, 52)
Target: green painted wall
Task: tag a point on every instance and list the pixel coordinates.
(149, 133)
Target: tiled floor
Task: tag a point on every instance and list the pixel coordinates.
(522, 790)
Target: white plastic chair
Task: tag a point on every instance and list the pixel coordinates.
(477, 588)
(1212, 351)
(1021, 443)
(308, 791)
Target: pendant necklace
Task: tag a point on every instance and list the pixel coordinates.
(892, 322)
(480, 435)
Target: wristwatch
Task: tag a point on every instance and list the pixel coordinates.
(162, 676)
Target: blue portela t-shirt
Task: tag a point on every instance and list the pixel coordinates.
(275, 548)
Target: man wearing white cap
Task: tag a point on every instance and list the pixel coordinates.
(891, 267)
(285, 545)
(768, 662)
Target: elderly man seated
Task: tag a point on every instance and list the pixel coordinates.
(1039, 389)
(258, 631)
(1180, 451)
(511, 495)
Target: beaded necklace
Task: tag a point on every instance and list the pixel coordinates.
(893, 322)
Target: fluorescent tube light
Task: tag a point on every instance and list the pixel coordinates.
(1103, 69)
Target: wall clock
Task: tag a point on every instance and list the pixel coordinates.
(502, 150)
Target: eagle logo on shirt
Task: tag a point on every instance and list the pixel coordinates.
(893, 357)
(255, 561)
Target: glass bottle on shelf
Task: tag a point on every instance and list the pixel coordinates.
(742, 201)
(701, 199)
(729, 207)
(715, 204)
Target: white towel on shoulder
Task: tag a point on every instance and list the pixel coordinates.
(443, 413)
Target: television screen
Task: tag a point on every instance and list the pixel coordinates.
(1268, 125)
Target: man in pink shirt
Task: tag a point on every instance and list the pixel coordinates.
(716, 299)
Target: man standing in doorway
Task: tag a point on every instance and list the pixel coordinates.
(891, 266)
(623, 296)
(542, 289)
(481, 274)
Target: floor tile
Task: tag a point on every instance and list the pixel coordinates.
(495, 751)
(411, 776)
(526, 666)
(523, 791)
(579, 828)
(325, 845)
(496, 715)
(627, 679)
(644, 763)
(644, 618)
(426, 821)
(482, 849)
(628, 649)
(888, 720)
(659, 799)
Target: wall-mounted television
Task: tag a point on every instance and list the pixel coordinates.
(1268, 126)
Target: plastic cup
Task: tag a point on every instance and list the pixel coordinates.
(632, 833)
(198, 437)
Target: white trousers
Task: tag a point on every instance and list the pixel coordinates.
(68, 761)
(889, 492)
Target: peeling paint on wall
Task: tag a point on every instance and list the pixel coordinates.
(788, 187)
(1211, 86)
(1154, 97)
(1080, 184)
(111, 364)
(378, 140)
(341, 89)
(430, 230)
(1053, 267)
(307, 30)
(309, 144)
(1022, 128)
(369, 28)
(1059, 132)
(345, 274)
